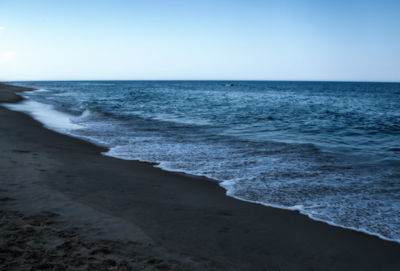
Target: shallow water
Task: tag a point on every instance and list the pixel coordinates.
(328, 149)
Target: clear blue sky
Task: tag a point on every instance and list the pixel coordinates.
(261, 40)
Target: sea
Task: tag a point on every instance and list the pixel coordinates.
(329, 150)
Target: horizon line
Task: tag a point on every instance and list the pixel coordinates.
(235, 80)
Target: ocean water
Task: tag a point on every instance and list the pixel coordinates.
(330, 150)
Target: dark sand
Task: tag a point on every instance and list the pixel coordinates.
(63, 205)
(8, 93)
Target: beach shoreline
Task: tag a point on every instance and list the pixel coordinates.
(186, 221)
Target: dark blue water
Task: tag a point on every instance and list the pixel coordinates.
(328, 149)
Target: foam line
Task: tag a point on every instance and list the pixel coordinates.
(45, 114)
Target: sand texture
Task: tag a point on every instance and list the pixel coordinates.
(64, 206)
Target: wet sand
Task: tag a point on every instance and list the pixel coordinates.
(84, 211)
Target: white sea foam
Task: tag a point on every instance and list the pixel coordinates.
(85, 115)
(39, 90)
(45, 114)
(239, 184)
(302, 210)
(179, 119)
(241, 148)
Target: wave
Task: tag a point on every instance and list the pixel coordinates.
(46, 114)
(255, 162)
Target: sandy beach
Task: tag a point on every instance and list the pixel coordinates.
(65, 206)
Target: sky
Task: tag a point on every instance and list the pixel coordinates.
(200, 40)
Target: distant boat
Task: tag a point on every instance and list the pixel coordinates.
(229, 85)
